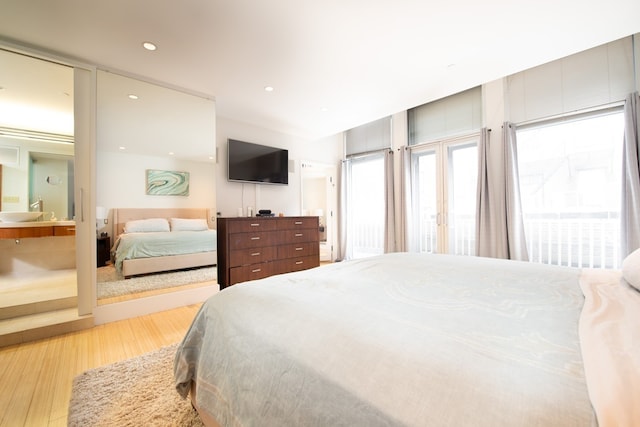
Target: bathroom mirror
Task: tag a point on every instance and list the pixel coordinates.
(143, 126)
(36, 134)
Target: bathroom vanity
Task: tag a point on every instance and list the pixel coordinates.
(19, 230)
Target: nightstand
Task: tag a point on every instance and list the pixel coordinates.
(103, 248)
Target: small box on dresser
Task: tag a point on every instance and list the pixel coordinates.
(254, 248)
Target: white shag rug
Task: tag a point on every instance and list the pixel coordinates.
(110, 284)
(135, 392)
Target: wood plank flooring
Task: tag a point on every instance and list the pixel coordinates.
(36, 377)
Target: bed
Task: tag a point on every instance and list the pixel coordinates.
(418, 340)
(162, 239)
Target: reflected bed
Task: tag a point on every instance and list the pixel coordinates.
(163, 239)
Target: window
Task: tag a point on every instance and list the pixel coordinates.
(366, 207)
(570, 185)
(444, 193)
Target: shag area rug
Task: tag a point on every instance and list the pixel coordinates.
(110, 284)
(134, 392)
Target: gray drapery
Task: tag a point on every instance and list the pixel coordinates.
(630, 209)
(345, 175)
(488, 206)
(389, 206)
(406, 211)
(499, 224)
(516, 242)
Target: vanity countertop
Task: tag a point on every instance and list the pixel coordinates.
(35, 224)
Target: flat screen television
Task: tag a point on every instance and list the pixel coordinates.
(249, 162)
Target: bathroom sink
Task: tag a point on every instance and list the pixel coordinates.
(19, 216)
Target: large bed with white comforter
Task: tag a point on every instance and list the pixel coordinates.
(418, 340)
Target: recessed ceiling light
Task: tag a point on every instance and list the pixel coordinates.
(268, 88)
(132, 96)
(122, 148)
(171, 153)
(149, 46)
(324, 109)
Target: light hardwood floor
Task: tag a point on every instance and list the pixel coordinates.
(36, 377)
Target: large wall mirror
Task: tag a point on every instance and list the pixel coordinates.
(36, 134)
(145, 128)
(37, 153)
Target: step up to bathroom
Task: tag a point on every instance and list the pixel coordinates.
(42, 325)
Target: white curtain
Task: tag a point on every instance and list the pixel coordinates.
(516, 242)
(406, 210)
(389, 215)
(345, 174)
(499, 223)
(630, 212)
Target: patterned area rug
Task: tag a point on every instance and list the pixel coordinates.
(134, 392)
(110, 284)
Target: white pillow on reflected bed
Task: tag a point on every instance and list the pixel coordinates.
(146, 225)
(182, 224)
(631, 269)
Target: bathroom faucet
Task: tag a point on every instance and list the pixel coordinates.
(38, 204)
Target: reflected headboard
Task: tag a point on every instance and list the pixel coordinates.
(122, 215)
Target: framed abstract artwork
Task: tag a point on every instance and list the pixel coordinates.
(167, 183)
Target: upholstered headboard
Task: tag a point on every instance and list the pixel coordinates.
(122, 215)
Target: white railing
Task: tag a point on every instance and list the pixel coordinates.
(577, 240)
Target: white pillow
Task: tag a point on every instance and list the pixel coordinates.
(181, 224)
(146, 225)
(631, 269)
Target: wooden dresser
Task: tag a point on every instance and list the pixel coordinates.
(254, 248)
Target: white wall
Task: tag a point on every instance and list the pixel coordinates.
(284, 199)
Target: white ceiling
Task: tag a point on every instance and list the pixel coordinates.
(358, 59)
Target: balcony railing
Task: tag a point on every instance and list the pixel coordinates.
(577, 240)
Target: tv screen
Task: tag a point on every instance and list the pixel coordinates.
(250, 162)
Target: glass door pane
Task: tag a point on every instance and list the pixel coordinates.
(425, 193)
(462, 180)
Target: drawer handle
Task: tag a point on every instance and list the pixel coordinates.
(299, 249)
(257, 270)
(253, 224)
(298, 234)
(299, 262)
(255, 254)
(255, 238)
(298, 223)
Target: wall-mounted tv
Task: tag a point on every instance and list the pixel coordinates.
(249, 162)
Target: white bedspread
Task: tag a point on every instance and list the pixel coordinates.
(401, 339)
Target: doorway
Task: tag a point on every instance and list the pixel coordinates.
(318, 189)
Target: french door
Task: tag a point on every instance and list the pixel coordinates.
(444, 187)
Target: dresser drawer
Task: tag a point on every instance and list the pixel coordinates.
(296, 264)
(297, 236)
(251, 225)
(252, 240)
(251, 272)
(298, 223)
(298, 250)
(252, 255)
